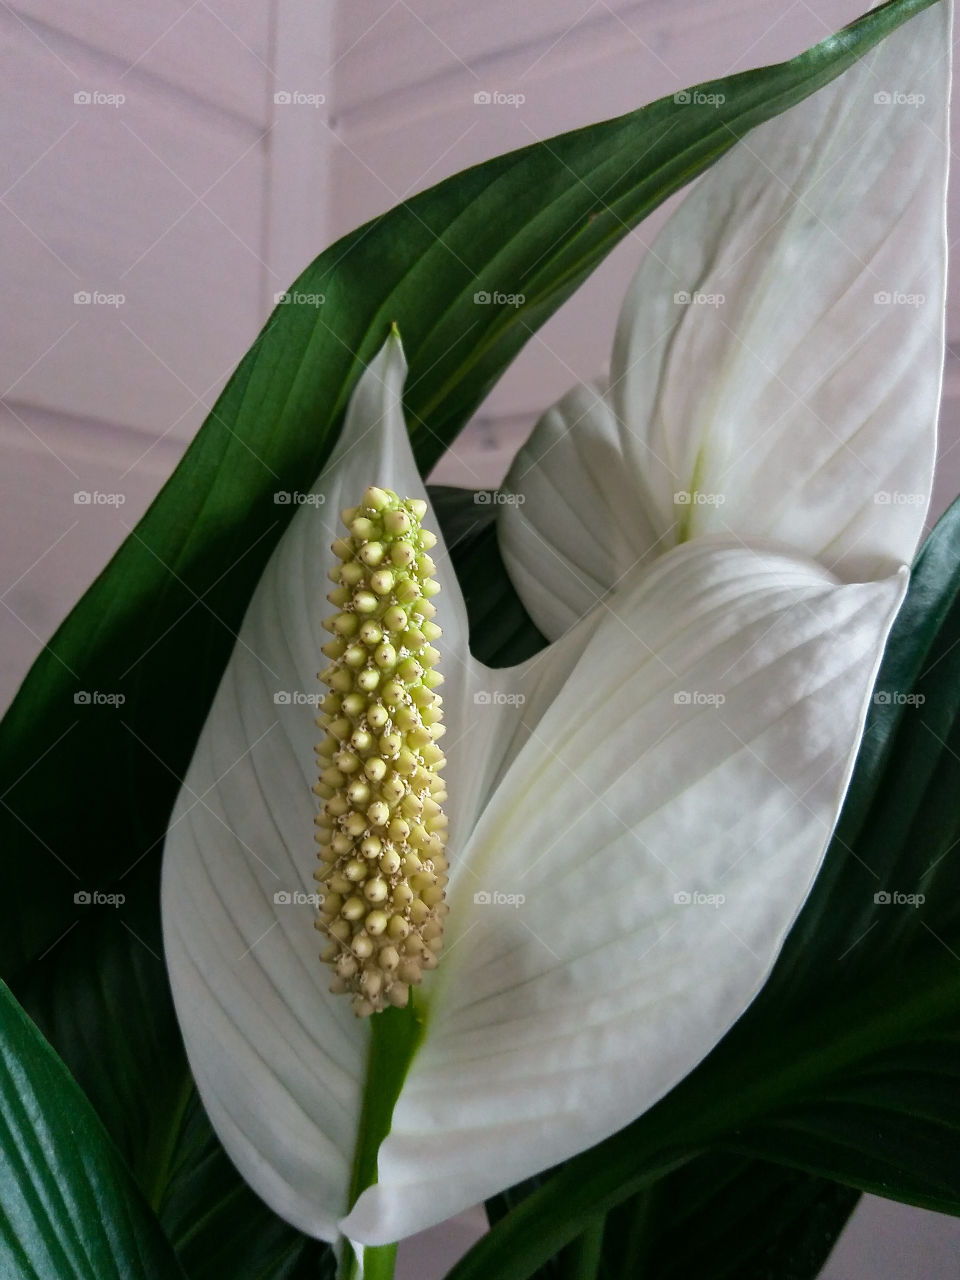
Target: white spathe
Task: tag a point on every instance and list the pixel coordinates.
(638, 816)
(778, 358)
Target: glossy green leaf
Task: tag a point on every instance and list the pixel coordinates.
(68, 1205)
(723, 1217)
(845, 1066)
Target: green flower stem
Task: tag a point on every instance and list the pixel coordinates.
(395, 1036)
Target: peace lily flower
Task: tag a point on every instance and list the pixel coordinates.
(715, 542)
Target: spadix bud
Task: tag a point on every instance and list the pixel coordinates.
(379, 763)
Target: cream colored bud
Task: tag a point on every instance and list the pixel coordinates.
(393, 693)
(370, 633)
(363, 947)
(371, 553)
(393, 789)
(377, 716)
(355, 656)
(345, 624)
(402, 554)
(375, 768)
(389, 861)
(354, 824)
(376, 498)
(376, 923)
(363, 530)
(385, 657)
(378, 813)
(376, 890)
(397, 522)
(370, 846)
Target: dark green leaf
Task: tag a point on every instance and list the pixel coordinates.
(501, 631)
(68, 1206)
(722, 1217)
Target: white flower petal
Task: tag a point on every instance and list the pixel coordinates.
(563, 545)
(280, 1062)
(801, 408)
(555, 1022)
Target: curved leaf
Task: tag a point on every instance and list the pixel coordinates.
(68, 1206)
(723, 1217)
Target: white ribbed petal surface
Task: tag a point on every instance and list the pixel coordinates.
(554, 1022)
(279, 1062)
(801, 407)
(563, 546)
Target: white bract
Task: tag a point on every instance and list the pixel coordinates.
(715, 545)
